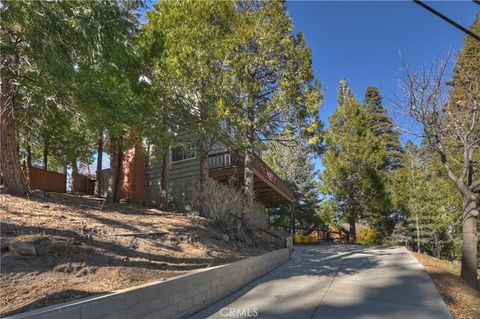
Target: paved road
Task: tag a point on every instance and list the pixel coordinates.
(338, 282)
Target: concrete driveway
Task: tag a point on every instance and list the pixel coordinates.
(338, 282)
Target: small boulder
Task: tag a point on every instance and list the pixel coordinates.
(69, 267)
(22, 248)
(87, 271)
(4, 242)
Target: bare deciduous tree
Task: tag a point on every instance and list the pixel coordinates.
(451, 126)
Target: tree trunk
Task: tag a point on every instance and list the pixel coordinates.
(352, 234)
(112, 176)
(119, 175)
(165, 177)
(292, 220)
(98, 180)
(45, 154)
(11, 175)
(29, 156)
(115, 172)
(419, 250)
(74, 175)
(203, 175)
(248, 185)
(470, 241)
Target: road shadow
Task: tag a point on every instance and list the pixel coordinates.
(337, 282)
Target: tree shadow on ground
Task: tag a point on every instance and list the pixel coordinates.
(327, 284)
(56, 298)
(95, 253)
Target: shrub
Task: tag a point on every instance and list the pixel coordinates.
(368, 236)
(296, 238)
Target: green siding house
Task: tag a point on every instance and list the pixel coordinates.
(270, 190)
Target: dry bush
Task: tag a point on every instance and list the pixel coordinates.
(221, 201)
(224, 206)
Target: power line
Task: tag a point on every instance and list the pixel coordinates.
(444, 17)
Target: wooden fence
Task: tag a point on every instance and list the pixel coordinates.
(47, 180)
(83, 184)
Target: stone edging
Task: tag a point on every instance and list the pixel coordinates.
(175, 297)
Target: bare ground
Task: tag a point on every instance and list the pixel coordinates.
(462, 301)
(79, 255)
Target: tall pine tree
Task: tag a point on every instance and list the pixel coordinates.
(353, 162)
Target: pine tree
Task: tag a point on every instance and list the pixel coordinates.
(191, 67)
(430, 208)
(353, 162)
(294, 164)
(382, 125)
(273, 81)
(78, 34)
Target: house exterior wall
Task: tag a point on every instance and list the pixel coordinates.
(184, 177)
(153, 175)
(259, 213)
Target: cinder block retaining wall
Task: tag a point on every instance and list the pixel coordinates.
(174, 298)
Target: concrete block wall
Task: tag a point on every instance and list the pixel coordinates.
(177, 297)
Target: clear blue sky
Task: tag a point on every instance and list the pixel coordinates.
(365, 42)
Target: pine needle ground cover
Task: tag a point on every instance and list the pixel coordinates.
(83, 246)
(462, 301)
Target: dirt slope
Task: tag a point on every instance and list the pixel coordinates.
(79, 254)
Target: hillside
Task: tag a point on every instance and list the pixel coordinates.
(84, 246)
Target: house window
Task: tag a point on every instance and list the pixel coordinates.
(183, 152)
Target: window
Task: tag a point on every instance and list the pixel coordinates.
(183, 152)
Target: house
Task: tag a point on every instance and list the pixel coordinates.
(143, 166)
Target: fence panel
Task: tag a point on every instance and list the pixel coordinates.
(47, 180)
(83, 184)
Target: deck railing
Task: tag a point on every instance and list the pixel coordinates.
(227, 159)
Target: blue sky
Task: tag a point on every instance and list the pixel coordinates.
(365, 42)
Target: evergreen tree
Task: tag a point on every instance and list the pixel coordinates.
(353, 163)
(191, 67)
(273, 78)
(44, 45)
(383, 128)
(430, 208)
(294, 164)
(382, 125)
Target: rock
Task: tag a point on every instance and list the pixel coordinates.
(5, 242)
(69, 268)
(225, 237)
(87, 271)
(22, 248)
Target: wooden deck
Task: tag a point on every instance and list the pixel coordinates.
(269, 187)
